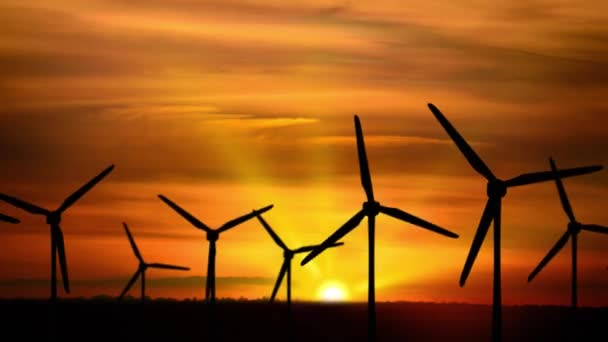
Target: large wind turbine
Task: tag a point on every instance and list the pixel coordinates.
(496, 190)
(288, 255)
(574, 227)
(53, 218)
(212, 236)
(8, 219)
(371, 209)
(143, 266)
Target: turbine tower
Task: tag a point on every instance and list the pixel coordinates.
(143, 266)
(572, 230)
(212, 236)
(53, 218)
(496, 190)
(371, 209)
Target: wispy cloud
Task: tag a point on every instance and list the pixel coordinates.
(378, 140)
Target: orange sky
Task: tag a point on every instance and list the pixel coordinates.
(227, 106)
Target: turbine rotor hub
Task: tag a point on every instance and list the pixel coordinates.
(371, 208)
(213, 235)
(574, 227)
(287, 254)
(496, 188)
(53, 218)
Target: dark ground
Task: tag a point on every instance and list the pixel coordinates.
(107, 320)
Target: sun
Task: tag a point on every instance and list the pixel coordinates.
(333, 292)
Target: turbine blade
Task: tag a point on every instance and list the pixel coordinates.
(337, 235)
(279, 279)
(595, 228)
(8, 219)
(552, 252)
(21, 204)
(129, 284)
(562, 192)
(193, 220)
(60, 249)
(311, 248)
(537, 177)
(84, 189)
(366, 178)
(273, 235)
(409, 218)
(480, 235)
(169, 267)
(468, 152)
(132, 242)
(239, 220)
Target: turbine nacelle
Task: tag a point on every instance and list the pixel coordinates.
(497, 188)
(213, 235)
(53, 218)
(287, 254)
(371, 208)
(574, 227)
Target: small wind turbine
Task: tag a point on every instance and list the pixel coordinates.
(288, 255)
(212, 236)
(143, 266)
(574, 227)
(53, 218)
(496, 190)
(8, 219)
(371, 209)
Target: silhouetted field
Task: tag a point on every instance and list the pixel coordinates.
(84, 320)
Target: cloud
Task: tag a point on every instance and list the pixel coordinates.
(377, 140)
(391, 51)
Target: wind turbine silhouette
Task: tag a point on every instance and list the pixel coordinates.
(496, 190)
(572, 230)
(143, 266)
(288, 255)
(8, 219)
(212, 236)
(371, 209)
(53, 218)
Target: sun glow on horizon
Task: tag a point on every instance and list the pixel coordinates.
(333, 292)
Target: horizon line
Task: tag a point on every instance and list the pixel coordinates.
(130, 298)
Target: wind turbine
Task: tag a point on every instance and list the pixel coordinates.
(371, 209)
(8, 219)
(496, 190)
(288, 255)
(53, 218)
(572, 230)
(212, 236)
(143, 266)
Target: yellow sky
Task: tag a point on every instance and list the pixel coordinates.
(227, 106)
